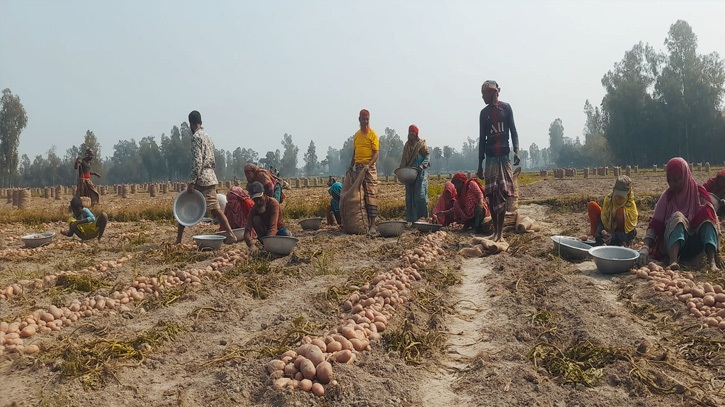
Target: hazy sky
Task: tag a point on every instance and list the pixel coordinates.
(259, 69)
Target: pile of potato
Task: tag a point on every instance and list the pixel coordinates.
(48, 281)
(482, 247)
(704, 300)
(14, 334)
(372, 306)
(24, 252)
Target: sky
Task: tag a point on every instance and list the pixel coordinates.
(259, 69)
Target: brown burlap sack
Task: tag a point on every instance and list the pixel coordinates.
(352, 204)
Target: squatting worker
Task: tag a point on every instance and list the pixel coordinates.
(496, 122)
(203, 178)
(366, 148)
(265, 217)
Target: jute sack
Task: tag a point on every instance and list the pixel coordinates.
(352, 204)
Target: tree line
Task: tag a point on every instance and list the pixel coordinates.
(656, 105)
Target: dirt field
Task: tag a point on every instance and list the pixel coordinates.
(520, 328)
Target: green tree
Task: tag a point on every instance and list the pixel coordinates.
(447, 154)
(288, 167)
(535, 154)
(436, 155)
(13, 120)
(556, 138)
(310, 159)
(391, 150)
(627, 106)
(150, 158)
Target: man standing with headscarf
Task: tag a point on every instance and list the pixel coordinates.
(416, 154)
(203, 177)
(496, 121)
(85, 186)
(365, 153)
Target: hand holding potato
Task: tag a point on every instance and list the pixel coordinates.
(643, 256)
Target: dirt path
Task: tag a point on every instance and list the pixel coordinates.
(467, 339)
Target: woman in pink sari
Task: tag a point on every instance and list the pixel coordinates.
(238, 205)
(444, 204)
(684, 221)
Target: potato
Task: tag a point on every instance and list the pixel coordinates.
(324, 372)
(316, 355)
(281, 383)
(318, 390)
(708, 288)
(306, 384)
(320, 344)
(359, 344)
(275, 364)
(342, 356)
(334, 346)
(709, 300)
(290, 370)
(308, 369)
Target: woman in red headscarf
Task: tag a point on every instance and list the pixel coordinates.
(470, 208)
(684, 221)
(444, 205)
(237, 209)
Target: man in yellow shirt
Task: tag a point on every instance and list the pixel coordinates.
(365, 153)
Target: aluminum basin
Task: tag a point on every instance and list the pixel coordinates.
(282, 245)
(571, 247)
(391, 228)
(406, 175)
(311, 223)
(613, 259)
(212, 242)
(426, 226)
(37, 239)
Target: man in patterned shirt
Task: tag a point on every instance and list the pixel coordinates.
(203, 178)
(496, 121)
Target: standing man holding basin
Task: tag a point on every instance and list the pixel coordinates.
(203, 178)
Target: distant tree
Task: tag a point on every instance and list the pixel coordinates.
(288, 166)
(13, 120)
(469, 151)
(126, 162)
(524, 155)
(271, 160)
(150, 158)
(447, 154)
(90, 141)
(310, 159)
(391, 150)
(556, 138)
(333, 161)
(545, 157)
(436, 155)
(346, 154)
(535, 154)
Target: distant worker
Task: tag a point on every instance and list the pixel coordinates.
(83, 223)
(366, 150)
(333, 209)
(496, 122)
(265, 217)
(417, 155)
(617, 216)
(203, 178)
(715, 186)
(85, 186)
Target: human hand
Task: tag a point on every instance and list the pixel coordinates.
(517, 160)
(479, 173)
(643, 256)
(190, 188)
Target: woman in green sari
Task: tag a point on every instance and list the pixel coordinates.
(416, 154)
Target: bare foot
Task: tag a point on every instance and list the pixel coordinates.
(713, 265)
(63, 232)
(178, 241)
(373, 231)
(674, 266)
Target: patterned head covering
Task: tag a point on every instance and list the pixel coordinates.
(459, 177)
(622, 185)
(413, 128)
(489, 84)
(364, 113)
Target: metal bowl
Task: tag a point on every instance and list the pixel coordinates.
(282, 245)
(311, 223)
(238, 232)
(212, 242)
(427, 227)
(571, 247)
(37, 239)
(391, 228)
(406, 175)
(189, 209)
(613, 259)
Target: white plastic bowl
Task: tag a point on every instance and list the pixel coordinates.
(406, 175)
(189, 209)
(37, 239)
(238, 232)
(571, 247)
(282, 245)
(427, 227)
(311, 223)
(391, 228)
(613, 259)
(213, 242)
